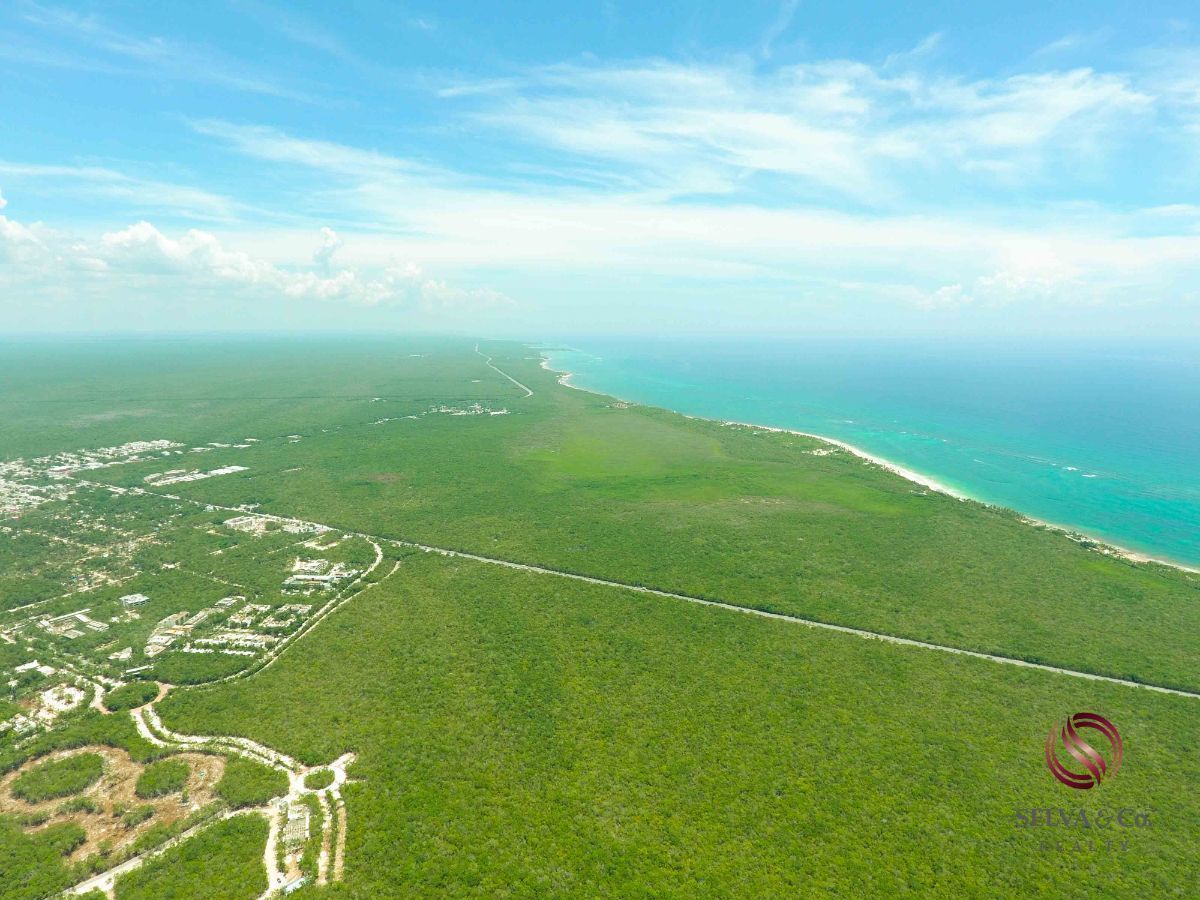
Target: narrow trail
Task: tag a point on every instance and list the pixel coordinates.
(81, 590)
(332, 853)
(331, 860)
(335, 603)
(339, 855)
(105, 882)
(528, 391)
(324, 855)
(151, 727)
(810, 623)
(720, 604)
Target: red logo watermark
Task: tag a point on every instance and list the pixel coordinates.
(1096, 768)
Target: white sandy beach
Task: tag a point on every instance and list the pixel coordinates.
(1103, 546)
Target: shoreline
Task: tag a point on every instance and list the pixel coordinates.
(1101, 545)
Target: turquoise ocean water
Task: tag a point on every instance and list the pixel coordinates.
(1102, 439)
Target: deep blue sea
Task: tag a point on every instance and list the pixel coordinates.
(1098, 438)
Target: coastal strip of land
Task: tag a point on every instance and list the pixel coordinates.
(925, 481)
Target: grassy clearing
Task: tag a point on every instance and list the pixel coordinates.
(130, 696)
(136, 816)
(158, 779)
(63, 837)
(321, 778)
(248, 783)
(523, 734)
(58, 778)
(89, 727)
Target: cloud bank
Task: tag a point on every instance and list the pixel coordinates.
(194, 264)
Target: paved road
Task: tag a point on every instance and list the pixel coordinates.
(810, 623)
(746, 610)
(528, 391)
(105, 881)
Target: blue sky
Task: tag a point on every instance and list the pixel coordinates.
(541, 169)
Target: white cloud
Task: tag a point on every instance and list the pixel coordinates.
(196, 263)
(330, 244)
(781, 23)
(838, 126)
(134, 192)
(950, 296)
(3, 202)
(927, 46)
(1005, 288)
(276, 146)
(18, 243)
(976, 257)
(153, 57)
(1027, 111)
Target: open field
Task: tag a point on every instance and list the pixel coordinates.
(185, 514)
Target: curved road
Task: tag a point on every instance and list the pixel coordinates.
(528, 391)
